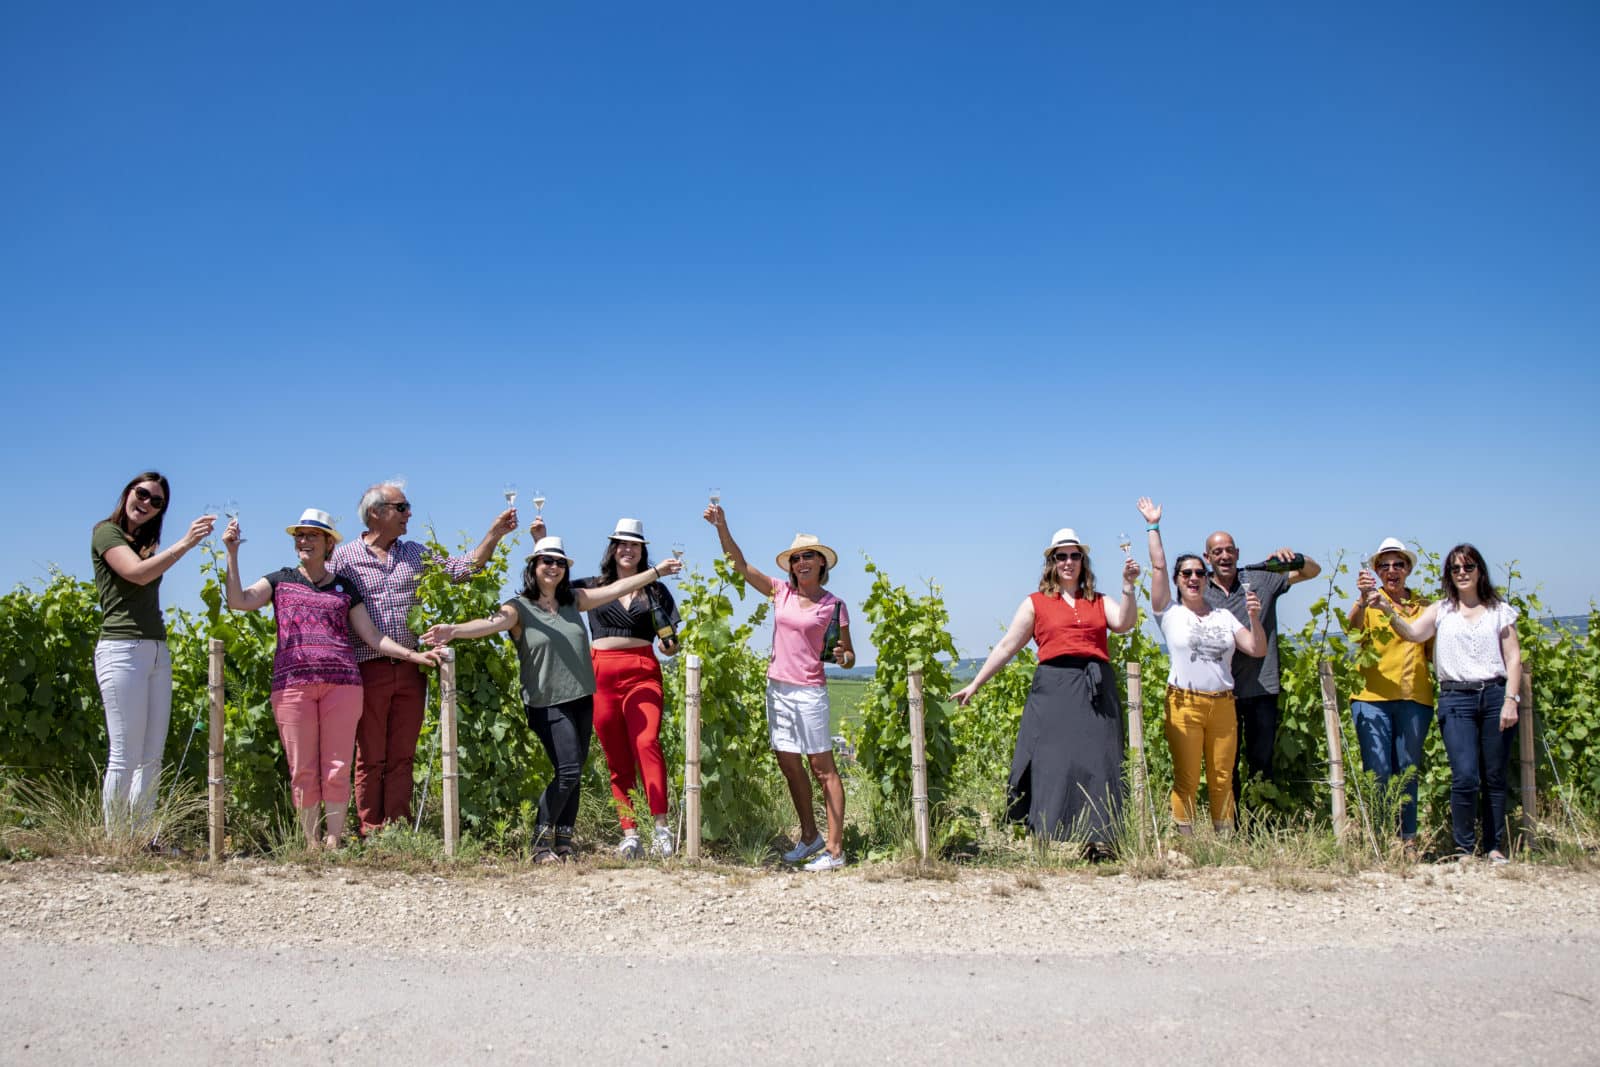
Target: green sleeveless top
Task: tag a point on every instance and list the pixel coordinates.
(554, 652)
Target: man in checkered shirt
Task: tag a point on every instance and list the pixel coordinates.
(386, 570)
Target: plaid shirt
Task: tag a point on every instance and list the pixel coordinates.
(390, 588)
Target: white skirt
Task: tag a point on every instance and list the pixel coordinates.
(798, 718)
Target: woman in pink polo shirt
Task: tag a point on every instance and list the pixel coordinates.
(808, 624)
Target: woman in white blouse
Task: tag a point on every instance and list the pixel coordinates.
(1201, 721)
(1479, 666)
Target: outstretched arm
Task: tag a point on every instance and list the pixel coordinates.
(1122, 614)
(443, 633)
(719, 519)
(1418, 629)
(589, 599)
(1016, 635)
(1160, 589)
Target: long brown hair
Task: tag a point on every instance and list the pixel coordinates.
(608, 562)
(146, 537)
(1049, 586)
(1469, 554)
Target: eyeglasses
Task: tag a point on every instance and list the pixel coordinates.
(404, 507)
(551, 561)
(1191, 573)
(1463, 568)
(807, 554)
(1067, 557)
(1392, 565)
(145, 496)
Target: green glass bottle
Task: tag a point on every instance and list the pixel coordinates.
(830, 638)
(1278, 566)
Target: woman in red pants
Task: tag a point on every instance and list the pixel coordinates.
(627, 698)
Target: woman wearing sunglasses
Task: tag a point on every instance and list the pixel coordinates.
(131, 661)
(805, 618)
(1479, 665)
(1202, 724)
(1392, 710)
(316, 683)
(546, 626)
(1066, 772)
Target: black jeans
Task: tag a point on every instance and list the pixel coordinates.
(1480, 753)
(564, 730)
(1258, 737)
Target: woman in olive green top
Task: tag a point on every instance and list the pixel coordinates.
(130, 660)
(552, 643)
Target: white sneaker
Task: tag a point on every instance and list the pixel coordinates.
(630, 849)
(662, 845)
(802, 850)
(826, 861)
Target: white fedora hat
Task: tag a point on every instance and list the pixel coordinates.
(312, 519)
(803, 542)
(1392, 544)
(1063, 537)
(550, 546)
(629, 530)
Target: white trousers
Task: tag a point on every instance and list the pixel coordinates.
(136, 687)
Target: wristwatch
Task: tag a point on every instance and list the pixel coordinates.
(1515, 696)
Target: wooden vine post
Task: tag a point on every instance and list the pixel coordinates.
(216, 792)
(919, 762)
(691, 757)
(1141, 796)
(1526, 747)
(1330, 722)
(450, 770)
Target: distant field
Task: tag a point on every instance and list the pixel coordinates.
(843, 696)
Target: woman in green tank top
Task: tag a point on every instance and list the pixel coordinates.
(546, 625)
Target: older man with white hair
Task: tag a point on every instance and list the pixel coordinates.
(386, 570)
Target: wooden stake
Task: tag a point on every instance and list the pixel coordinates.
(1141, 796)
(919, 762)
(450, 772)
(1525, 743)
(216, 793)
(691, 757)
(1330, 721)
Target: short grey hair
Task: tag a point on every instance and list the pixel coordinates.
(374, 496)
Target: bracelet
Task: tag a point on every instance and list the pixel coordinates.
(656, 571)
(1153, 527)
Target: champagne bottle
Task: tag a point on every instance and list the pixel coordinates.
(658, 618)
(830, 638)
(1277, 566)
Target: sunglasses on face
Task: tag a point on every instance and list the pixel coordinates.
(155, 500)
(1191, 573)
(551, 561)
(1067, 557)
(404, 507)
(1463, 568)
(808, 554)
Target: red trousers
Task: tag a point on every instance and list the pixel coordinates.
(394, 696)
(627, 720)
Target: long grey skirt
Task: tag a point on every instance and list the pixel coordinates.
(1066, 774)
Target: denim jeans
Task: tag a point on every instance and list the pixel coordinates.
(1391, 733)
(1479, 754)
(564, 730)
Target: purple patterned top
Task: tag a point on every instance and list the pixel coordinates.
(390, 588)
(314, 641)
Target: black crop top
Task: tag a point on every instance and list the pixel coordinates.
(615, 620)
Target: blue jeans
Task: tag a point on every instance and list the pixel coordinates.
(1479, 754)
(1391, 733)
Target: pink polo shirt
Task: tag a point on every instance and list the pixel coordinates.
(797, 632)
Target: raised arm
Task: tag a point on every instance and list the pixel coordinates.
(361, 622)
(589, 599)
(1366, 585)
(130, 568)
(1311, 569)
(259, 595)
(1016, 635)
(505, 618)
(1252, 641)
(1419, 629)
(1160, 585)
(1511, 652)
(1122, 614)
(719, 519)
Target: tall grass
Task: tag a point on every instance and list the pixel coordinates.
(57, 815)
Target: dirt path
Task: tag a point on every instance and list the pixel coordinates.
(263, 962)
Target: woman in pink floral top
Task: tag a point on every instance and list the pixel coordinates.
(316, 685)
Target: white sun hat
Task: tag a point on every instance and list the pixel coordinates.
(551, 546)
(312, 519)
(629, 530)
(803, 542)
(1063, 537)
(1392, 544)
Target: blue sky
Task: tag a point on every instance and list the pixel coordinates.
(929, 282)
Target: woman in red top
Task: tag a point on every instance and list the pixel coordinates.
(1066, 774)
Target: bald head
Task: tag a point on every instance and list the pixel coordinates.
(1223, 556)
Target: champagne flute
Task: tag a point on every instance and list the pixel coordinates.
(716, 497)
(231, 510)
(538, 503)
(1125, 543)
(677, 551)
(509, 491)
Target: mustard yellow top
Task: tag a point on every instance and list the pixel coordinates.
(1401, 672)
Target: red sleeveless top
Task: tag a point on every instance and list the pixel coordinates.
(1063, 629)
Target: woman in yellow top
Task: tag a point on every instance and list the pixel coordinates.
(1394, 707)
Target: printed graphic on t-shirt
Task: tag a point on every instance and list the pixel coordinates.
(1211, 638)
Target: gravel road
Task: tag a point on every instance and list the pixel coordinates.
(267, 963)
